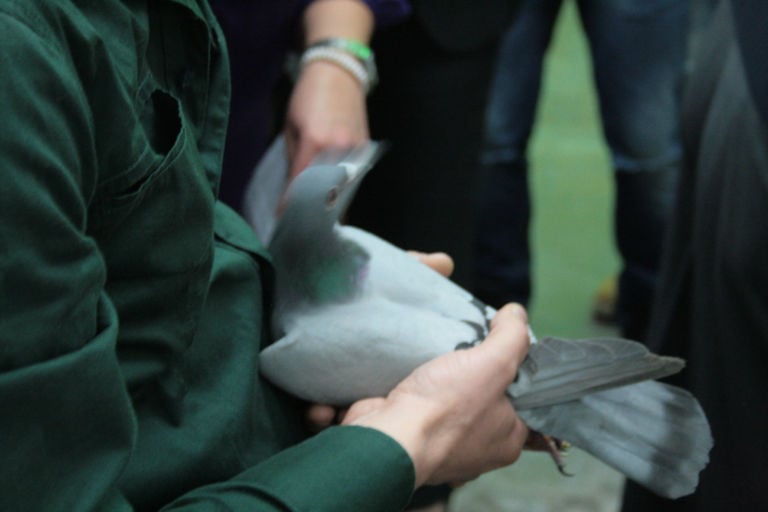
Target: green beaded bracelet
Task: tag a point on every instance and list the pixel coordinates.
(355, 48)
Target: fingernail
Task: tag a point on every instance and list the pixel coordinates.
(520, 312)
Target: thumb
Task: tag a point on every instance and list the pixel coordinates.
(507, 342)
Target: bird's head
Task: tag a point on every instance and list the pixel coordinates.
(314, 263)
(321, 194)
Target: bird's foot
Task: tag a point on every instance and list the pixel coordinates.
(556, 448)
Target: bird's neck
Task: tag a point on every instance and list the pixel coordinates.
(338, 277)
(331, 270)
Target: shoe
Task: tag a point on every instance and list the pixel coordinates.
(604, 304)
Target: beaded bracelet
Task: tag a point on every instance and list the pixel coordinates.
(354, 56)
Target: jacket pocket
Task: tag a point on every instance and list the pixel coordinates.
(163, 139)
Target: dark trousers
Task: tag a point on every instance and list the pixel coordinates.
(638, 48)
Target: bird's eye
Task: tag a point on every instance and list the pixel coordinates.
(332, 197)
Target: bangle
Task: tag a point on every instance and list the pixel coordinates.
(358, 50)
(342, 59)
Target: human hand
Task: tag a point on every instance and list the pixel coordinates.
(318, 417)
(437, 261)
(452, 414)
(326, 111)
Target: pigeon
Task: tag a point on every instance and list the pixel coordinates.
(354, 315)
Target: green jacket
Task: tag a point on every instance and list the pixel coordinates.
(132, 305)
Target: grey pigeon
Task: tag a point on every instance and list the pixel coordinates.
(354, 315)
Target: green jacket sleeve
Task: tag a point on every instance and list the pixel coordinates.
(343, 468)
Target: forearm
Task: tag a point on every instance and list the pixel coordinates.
(327, 107)
(347, 19)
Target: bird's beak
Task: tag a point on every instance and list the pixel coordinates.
(356, 164)
(354, 172)
(358, 161)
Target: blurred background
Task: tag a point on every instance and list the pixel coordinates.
(572, 197)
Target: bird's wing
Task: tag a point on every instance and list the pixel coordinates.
(264, 190)
(401, 278)
(559, 370)
(341, 353)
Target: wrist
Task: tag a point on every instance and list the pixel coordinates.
(357, 49)
(353, 56)
(340, 60)
(337, 31)
(416, 435)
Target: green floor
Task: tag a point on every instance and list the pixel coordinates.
(573, 253)
(572, 188)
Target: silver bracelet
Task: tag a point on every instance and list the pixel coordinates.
(341, 58)
(357, 49)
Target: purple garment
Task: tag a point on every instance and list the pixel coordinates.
(389, 11)
(259, 34)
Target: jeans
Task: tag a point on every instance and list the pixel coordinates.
(638, 49)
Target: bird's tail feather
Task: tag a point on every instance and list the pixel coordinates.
(653, 433)
(558, 370)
